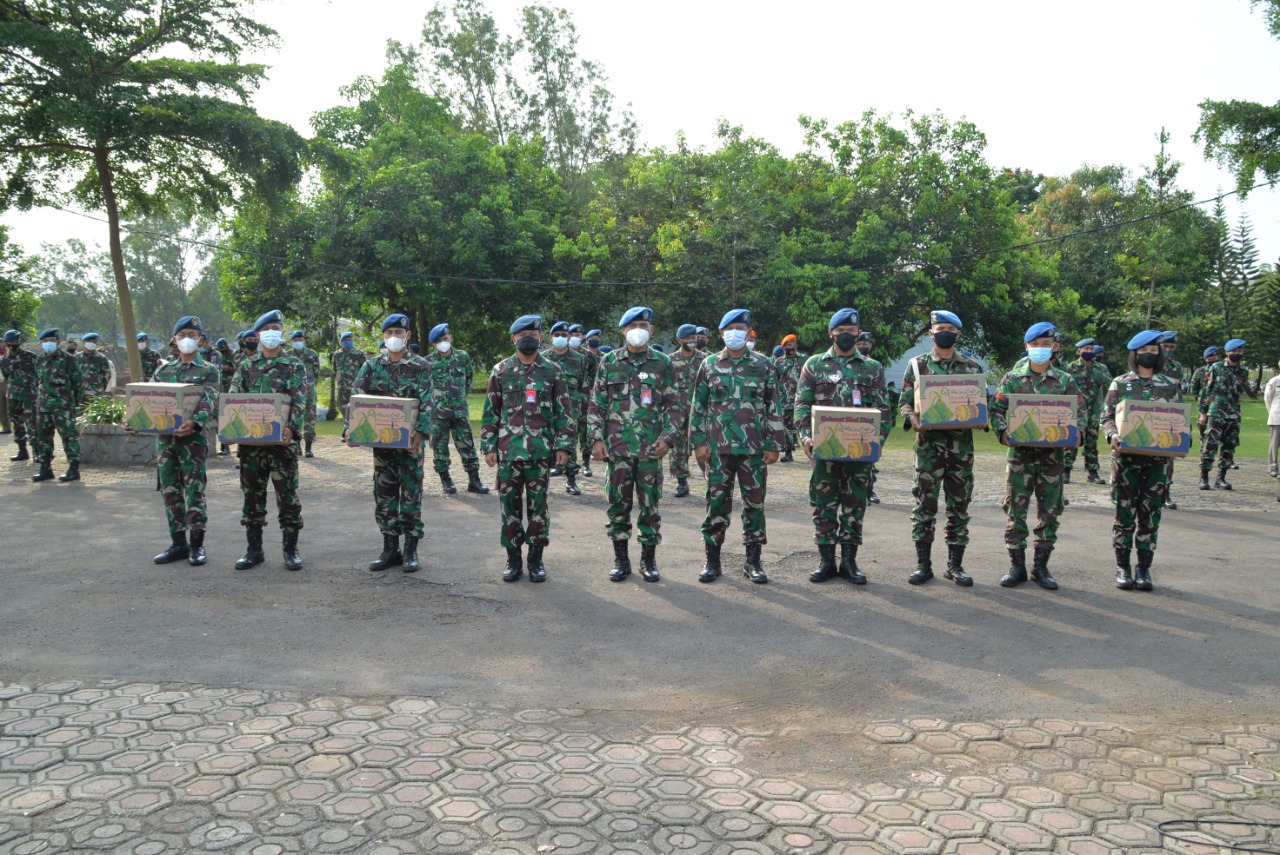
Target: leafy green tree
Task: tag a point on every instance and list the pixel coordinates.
(73, 282)
(18, 302)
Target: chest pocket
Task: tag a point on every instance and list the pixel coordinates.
(722, 386)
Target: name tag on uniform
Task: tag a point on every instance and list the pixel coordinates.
(530, 395)
(646, 396)
(857, 398)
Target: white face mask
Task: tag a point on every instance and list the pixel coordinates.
(142, 345)
(90, 345)
(575, 341)
(270, 339)
(637, 337)
(751, 345)
(734, 339)
(395, 344)
(299, 344)
(559, 341)
(444, 346)
(188, 345)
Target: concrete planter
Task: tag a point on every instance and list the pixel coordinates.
(111, 446)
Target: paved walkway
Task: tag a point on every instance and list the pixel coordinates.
(150, 769)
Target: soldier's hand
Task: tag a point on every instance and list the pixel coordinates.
(1204, 419)
(771, 457)
(1002, 437)
(914, 420)
(702, 453)
(185, 429)
(661, 449)
(415, 442)
(491, 459)
(1114, 439)
(808, 447)
(562, 458)
(286, 435)
(597, 452)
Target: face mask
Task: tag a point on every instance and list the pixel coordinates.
(734, 339)
(142, 345)
(347, 344)
(1235, 357)
(637, 337)
(789, 350)
(527, 344)
(1148, 360)
(845, 342)
(945, 339)
(702, 343)
(49, 346)
(444, 346)
(188, 345)
(686, 345)
(558, 341)
(271, 339)
(1040, 355)
(90, 345)
(594, 342)
(575, 341)
(751, 345)
(395, 344)
(1089, 357)
(299, 345)
(249, 345)
(865, 351)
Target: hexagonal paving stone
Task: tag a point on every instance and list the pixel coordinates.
(466, 782)
(1061, 822)
(679, 813)
(309, 791)
(569, 841)
(575, 761)
(398, 822)
(786, 813)
(229, 763)
(894, 813)
(689, 839)
(998, 810)
(450, 838)
(974, 847)
(955, 823)
(516, 796)
(33, 801)
(140, 802)
(1098, 806)
(351, 807)
(911, 841)
(106, 833)
(98, 787)
(325, 766)
(1020, 836)
(245, 803)
(477, 758)
(457, 809)
(889, 732)
(34, 759)
(1225, 788)
(1127, 834)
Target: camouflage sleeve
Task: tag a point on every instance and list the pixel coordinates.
(492, 412)
(774, 425)
(562, 421)
(471, 377)
(237, 379)
(597, 412)
(998, 410)
(880, 400)
(207, 406)
(77, 378)
(426, 396)
(698, 411)
(805, 401)
(298, 399)
(907, 402)
(1108, 421)
(669, 430)
(360, 386)
(1207, 392)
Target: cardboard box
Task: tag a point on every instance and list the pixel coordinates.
(1043, 421)
(253, 418)
(951, 401)
(846, 434)
(377, 421)
(160, 408)
(1154, 428)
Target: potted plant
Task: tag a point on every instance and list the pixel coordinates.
(102, 436)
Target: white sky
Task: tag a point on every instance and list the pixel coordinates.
(1052, 86)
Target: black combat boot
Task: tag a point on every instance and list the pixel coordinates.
(177, 549)
(682, 487)
(571, 485)
(1124, 571)
(1095, 477)
(73, 473)
(22, 453)
(446, 482)
(711, 569)
(955, 566)
(390, 556)
(292, 558)
(556, 471)
(196, 556)
(1204, 479)
(253, 556)
(308, 453)
(224, 451)
(1017, 569)
(411, 562)
(1142, 582)
(586, 469)
(1220, 483)
(45, 473)
(1066, 476)
(537, 570)
(474, 484)
(1168, 498)
(873, 498)
(621, 561)
(787, 458)
(826, 563)
(649, 563)
(751, 567)
(849, 564)
(924, 563)
(515, 565)
(1040, 569)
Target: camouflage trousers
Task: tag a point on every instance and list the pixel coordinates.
(1138, 485)
(1033, 472)
(23, 416)
(460, 429)
(752, 475)
(1222, 436)
(789, 424)
(678, 457)
(1090, 429)
(522, 487)
(581, 446)
(627, 477)
(62, 420)
(838, 492)
(309, 420)
(182, 478)
(279, 465)
(397, 491)
(944, 462)
(343, 396)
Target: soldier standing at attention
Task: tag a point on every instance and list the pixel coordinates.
(181, 471)
(684, 363)
(96, 369)
(574, 370)
(58, 389)
(1200, 380)
(577, 338)
(1032, 471)
(1220, 413)
(311, 361)
(226, 364)
(272, 371)
(789, 364)
(632, 421)
(451, 375)
(736, 429)
(1139, 481)
(866, 341)
(347, 361)
(150, 359)
(19, 367)
(1084, 371)
(526, 421)
(944, 458)
(702, 338)
(844, 376)
(397, 473)
(1174, 370)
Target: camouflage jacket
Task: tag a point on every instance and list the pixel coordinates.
(347, 364)
(1022, 380)
(1101, 380)
(1131, 387)
(311, 361)
(283, 375)
(228, 368)
(150, 363)
(926, 364)
(593, 367)
(407, 377)
(831, 380)
(451, 378)
(1200, 382)
(634, 403)
(1174, 370)
(686, 371)
(96, 370)
(789, 368)
(195, 371)
(58, 381)
(1087, 382)
(526, 411)
(20, 373)
(1221, 399)
(576, 370)
(737, 408)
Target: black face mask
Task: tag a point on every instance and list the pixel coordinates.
(702, 343)
(593, 342)
(250, 346)
(1148, 360)
(789, 350)
(1235, 358)
(1088, 357)
(845, 341)
(865, 351)
(946, 339)
(527, 344)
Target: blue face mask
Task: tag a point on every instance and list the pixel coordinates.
(49, 346)
(347, 344)
(1040, 355)
(299, 345)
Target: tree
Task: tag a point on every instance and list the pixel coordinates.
(72, 281)
(135, 105)
(18, 303)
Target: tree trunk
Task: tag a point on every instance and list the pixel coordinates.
(105, 175)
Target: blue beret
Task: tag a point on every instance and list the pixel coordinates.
(686, 330)
(414, 347)
(1168, 335)
(90, 336)
(636, 313)
(575, 328)
(735, 316)
(346, 334)
(1085, 342)
(52, 332)
(1233, 344)
(220, 342)
(844, 317)
(1097, 348)
(942, 316)
(866, 335)
(1211, 350)
(559, 326)
(438, 332)
(659, 348)
(1057, 335)
(604, 348)
(592, 333)
(275, 316)
(297, 334)
(12, 336)
(1145, 338)
(397, 320)
(779, 350)
(701, 331)
(188, 322)
(527, 322)
(1039, 330)
(140, 336)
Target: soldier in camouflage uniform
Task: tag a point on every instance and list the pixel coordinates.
(632, 420)
(451, 376)
(789, 365)
(311, 361)
(272, 371)
(944, 458)
(19, 367)
(735, 427)
(1175, 371)
(95, 368)
(151, 359)
(526, 421)
(866, 342)
(180, 468)
(59, 387)
(579, 344)
(227, 364)
(1200, 381)
(346, 361)
(684, 362)
(1220, 413)
(1032, 471)
(1138, 481)
(397, 474)
(575, 370)
(1084, 371)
